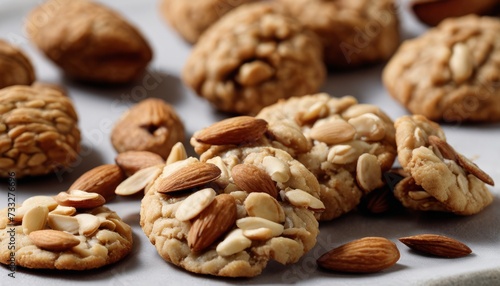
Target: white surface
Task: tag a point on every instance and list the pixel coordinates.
(98, 108)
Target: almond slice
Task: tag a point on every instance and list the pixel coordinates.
(53, 240)
(234, 242)
(300, 198)
(88, 224)
(63, 223)
(62, 210)
(235, 130)
(177, 153)
(194, 204)
(80, 199)
(35, 219)
(264, 206)
(333, 131)
(247, 223)
(132, 161)
(138, 181)
(189, 176)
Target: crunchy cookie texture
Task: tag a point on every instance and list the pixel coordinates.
(89, 41)
(191, 18)
(38, 131)
(346, 145)
(450, 72)
(228, 223)
(15, 67)
(439, 178)
(49, 235)
(252, 57)
(353, 33)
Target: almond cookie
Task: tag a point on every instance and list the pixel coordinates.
(346, 145)
(89, 41)
(439, 178)
(353, 33)
(39, 131)
(191, 18)
(15, 67)
(450, 73)
(71, 231)
(252, 57)
(232, 214)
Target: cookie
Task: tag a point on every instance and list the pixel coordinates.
(353, 33)
(439, 178)
(71, 231)
(450, 72)
(346, 145)
(232, 214)
(252, 57)
(15, 66)
(191, 18)
(39, 131)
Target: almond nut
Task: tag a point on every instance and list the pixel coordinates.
(299, 198)
(101, 180)
(234, 242)
(437, 245)
(368, 173)
(365, 255)
(264, 206)
(88, 224)
(189, 176)
(80, 199)
(178, 153)
(63, 223)
(250, 222)
(333, 131)
(138, 181)
(194, 204)
(212, 223)
(250, 178)
(53, 240)
(235, 130)
(35, 219)
(132, 161)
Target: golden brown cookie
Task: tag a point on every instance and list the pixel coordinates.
(252, 57)
(72, 231)
(450, 73)
(439, 178)
(15, 67)
(353, 33)
(232, 214)
(191, 18)
(39, 131)
(346, 145)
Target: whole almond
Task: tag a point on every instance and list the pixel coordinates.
(212, 223)
(102, 180)
(53, 240)
(132, 161)
(432, 12)
(333, 132)
(190, 176)
(235, 130)
(250, 178)
(437, 245)
(365, 255)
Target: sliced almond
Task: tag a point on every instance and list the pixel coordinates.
(258, 222)
(121, 227)
(189, 176)
(101, 180)
(31, 202)
(264, 206)
(80, 199)
(212, 223)
(35, 219)
(250, 178)
(62, 210)
(106, 224)
(368, 127)
(368, 172)
(63, 223)
(299, 198)
(332, 132)
(234, 242)
(88, 224)
(177, 153)
(461, 63)
(262, 233)
(277, 169)
(194, 204)
(437, 245)
(132, 161)
(235, 130)
(138, 181)
(53, 240)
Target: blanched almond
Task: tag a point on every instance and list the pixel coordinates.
(194, 204)
(35, 219)
(138, 181)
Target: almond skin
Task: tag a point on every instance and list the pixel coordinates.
(365, 255)
(212, 223)
(102, 180)
(437, 245)
(190, 176)
(132, 161)
(235, 130)
(53, 240)
(250, 178)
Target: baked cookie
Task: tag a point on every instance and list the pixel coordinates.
(71, 231)
(346, 145)
(191, 18)
(15, 67)
(230, 215)
(89, 41)
(439, 178)
(353, 33)
(450, 73)
(252, 57)
(39, 131)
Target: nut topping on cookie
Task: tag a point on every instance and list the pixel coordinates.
(190, 176)
(461, 63)
(332, 131)
(138, 181)
(53, 240)
(250, 178)
(302, 199)
(235, 130)
(79, 199)
(101, 179)
(195, 204)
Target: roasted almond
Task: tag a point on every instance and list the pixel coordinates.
(53, 240)
(437, 245)
(138, 181)
(132, 161)
(102, 180)
(365, 255)
(189, 176)
(333, 131)
(80, 199)
(432, 12)
(212, 223)
(250, 178)
(235, 130)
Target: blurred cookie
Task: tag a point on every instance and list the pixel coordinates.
(353, 33)
(252, 57)
(232, 214)
(450, 73)
(15, 67)
(440, 178)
